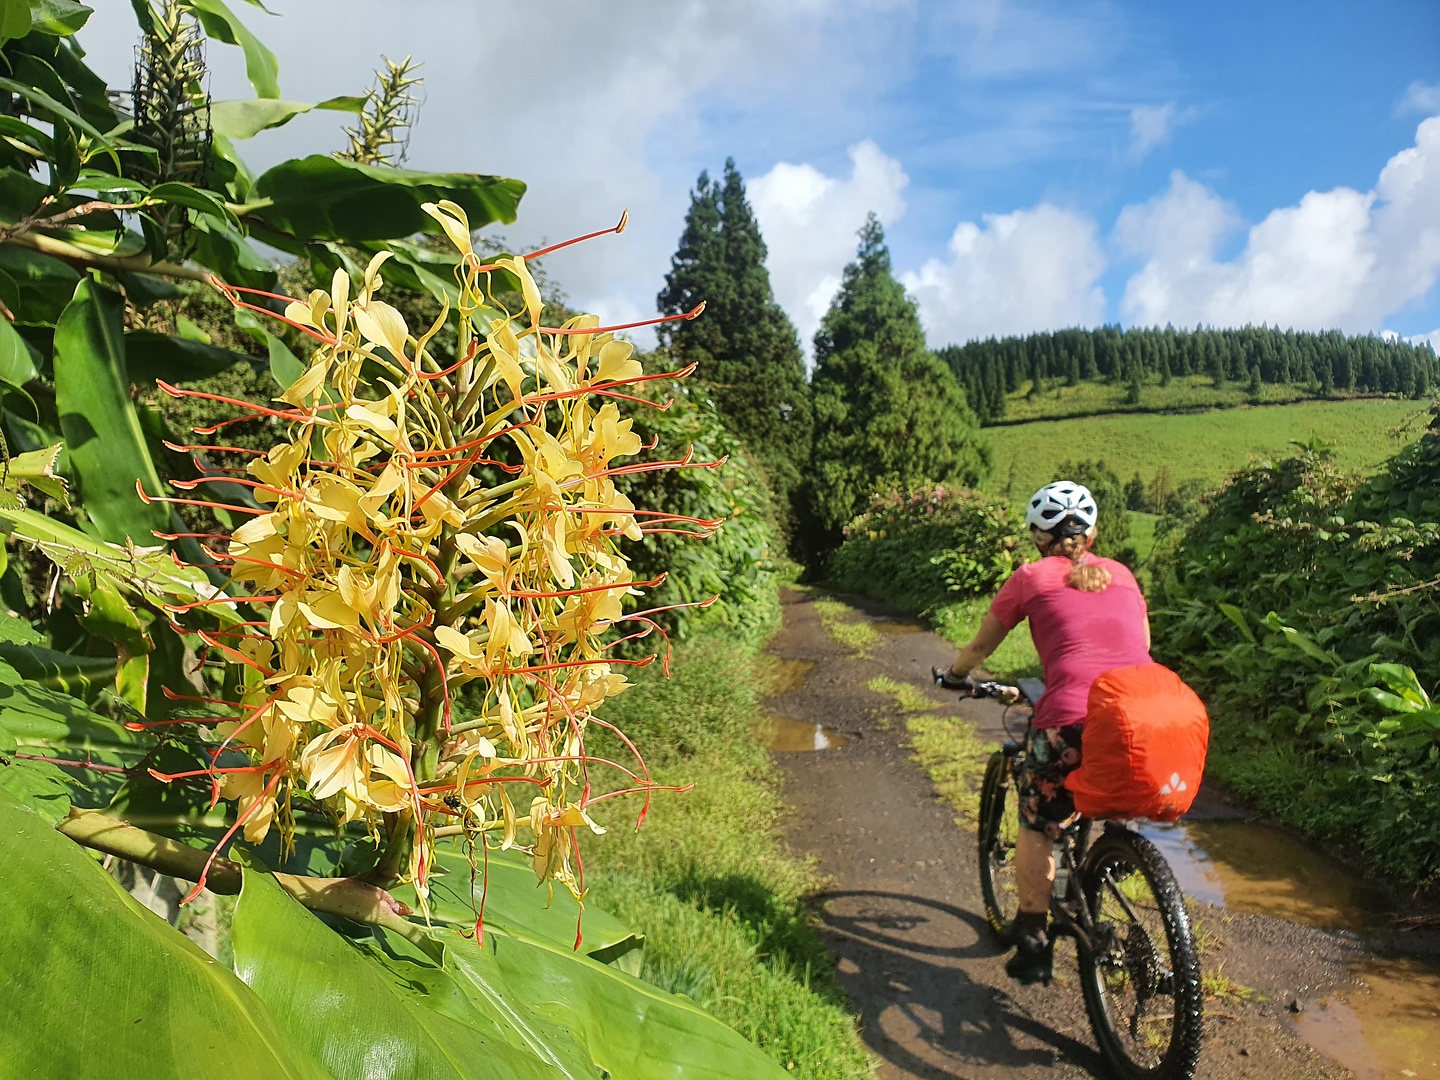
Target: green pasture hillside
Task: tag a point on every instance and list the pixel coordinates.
(1206, 446)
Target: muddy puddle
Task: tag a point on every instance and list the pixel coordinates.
(895, 626)
(1389, 1025)
(1261, 870)
(783, 676)
(790, 736)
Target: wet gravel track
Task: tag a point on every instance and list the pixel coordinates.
(902, 910)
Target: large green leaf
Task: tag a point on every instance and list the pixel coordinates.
(247, 117)
(43, 285)
(102, 433)
(82, 676)
(99, 987)
(150, 356)
(375, 1008)
(146, 572)
(514, 901)
(59, 17)
(323, 198)
(17, 366)
(632, 1029)
(14, 19)
(261, 65)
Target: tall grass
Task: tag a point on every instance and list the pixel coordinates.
(708, 880)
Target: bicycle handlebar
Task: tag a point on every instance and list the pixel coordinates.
(1027, 691)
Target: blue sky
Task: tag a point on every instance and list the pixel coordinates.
(1037, 164)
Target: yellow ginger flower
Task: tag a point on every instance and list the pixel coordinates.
(400, 551)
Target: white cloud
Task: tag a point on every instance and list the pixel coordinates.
(1340, 258)
(604, 106)
(1150, 125)
(595, 106)
(809, 221)
(1029, 270)
(1419, 97)
(1432, 339)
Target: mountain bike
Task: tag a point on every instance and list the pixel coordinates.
(1118, 898)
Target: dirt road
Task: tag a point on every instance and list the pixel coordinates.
(903, 914)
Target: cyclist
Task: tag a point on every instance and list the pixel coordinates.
(1087, 616)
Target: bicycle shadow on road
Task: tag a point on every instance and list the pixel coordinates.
(908, 962)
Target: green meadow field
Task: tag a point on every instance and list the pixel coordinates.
(1206, 446)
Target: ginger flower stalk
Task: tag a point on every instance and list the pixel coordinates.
(430, 522)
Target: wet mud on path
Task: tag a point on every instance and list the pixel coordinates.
(902, 911)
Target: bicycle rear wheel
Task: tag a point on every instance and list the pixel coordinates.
(1141, 973)
(999, 830)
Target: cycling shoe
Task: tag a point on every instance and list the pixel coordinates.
(1033, 961)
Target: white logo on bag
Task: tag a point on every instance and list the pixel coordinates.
(1176, 784)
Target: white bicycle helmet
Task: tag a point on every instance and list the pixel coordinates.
(1063, 501)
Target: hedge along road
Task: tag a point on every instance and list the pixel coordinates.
(902, 910)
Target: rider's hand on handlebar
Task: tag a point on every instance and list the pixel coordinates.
(946, 680)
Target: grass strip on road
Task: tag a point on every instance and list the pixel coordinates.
(857, 636)
(947, 748)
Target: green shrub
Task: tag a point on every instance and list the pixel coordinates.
(740, 562)
(1296, 602)
(934, 544)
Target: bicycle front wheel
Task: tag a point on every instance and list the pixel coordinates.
(999, 830)
(1141, 972)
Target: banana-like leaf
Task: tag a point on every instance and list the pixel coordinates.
(148, 573)
(261, 65)
(82, 676)
(14, 19)
(323, 198)
(515, 902)
(59, 17)
(354, 1004)
(102, 433)
(632, 1029)
(246, 118)
(557, 1013)
(17, 366)
(98, 987)
(44, 286)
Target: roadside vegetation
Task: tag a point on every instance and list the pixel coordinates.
(1302, 603)
(707, 880)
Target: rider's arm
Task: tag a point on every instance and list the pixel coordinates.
(986, 640)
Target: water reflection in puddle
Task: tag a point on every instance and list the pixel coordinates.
(1387, 1029)
(1262, 870)
(789, 736)
(785, 676)
(1390, 1026)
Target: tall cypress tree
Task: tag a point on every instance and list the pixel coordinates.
(747, 349)
(888, 413)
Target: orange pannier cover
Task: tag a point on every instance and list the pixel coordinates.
(1143, 751)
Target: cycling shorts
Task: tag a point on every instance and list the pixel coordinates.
(1051, 755)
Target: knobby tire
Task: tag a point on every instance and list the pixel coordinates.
(998, 799)
(1136, 959)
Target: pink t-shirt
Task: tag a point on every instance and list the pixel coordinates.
(1079, 635)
